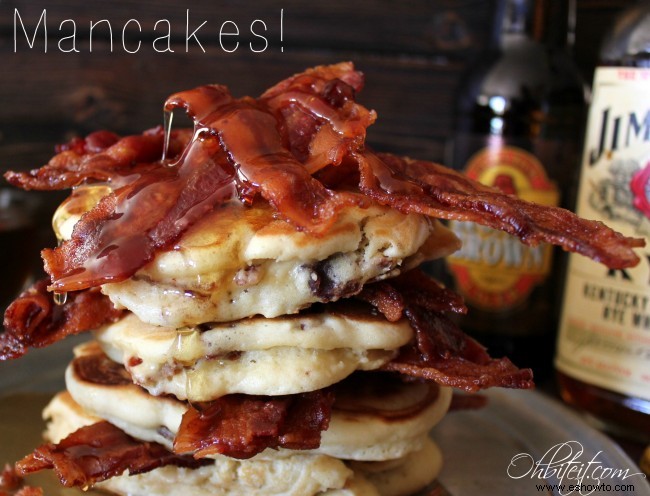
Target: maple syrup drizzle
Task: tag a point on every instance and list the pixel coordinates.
(168, 117)
(154, 204)
(60, 298)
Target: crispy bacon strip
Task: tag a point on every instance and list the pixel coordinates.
(100, 157)
(98, 452)
(237, 151)
(414, 287)
(240, 426)
(247, 132)
(10, 481)
(33, 320)
(11, 484)
(441, 352)
(321, 121)
(431, 189)
(116, 237)
(472, 370)
(271, 146)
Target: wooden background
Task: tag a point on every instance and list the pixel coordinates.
(413, 52)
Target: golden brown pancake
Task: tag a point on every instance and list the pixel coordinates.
(371, 420)
(242, 261)
(309, 351)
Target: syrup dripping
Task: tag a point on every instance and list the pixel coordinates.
(153, 208)
(58, 221)
(168, 117)
(189, 388)
(181, 341)
(60, 297)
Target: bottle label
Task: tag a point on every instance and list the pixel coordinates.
(493, 270)
(604, 335)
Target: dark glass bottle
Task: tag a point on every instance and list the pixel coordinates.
(519, 127)
(603, 354)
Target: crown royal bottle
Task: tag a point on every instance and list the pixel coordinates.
(520, 120)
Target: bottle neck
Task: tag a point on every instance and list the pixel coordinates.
(559, 23)
(628, 42)
(548, 22)
(516, 23)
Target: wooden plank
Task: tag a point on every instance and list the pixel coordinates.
(413, 96)
(413, 65)
(412, 51)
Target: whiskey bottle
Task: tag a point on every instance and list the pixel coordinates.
(603, 350)
(519, 128)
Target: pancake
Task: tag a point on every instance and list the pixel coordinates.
(404, 478)
(299, 474)
(309, 351)
(242, 261)
(275, 478)
(412, 473)
(371, 420)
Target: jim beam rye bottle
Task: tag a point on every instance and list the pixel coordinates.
(603, 352)
(520, 118)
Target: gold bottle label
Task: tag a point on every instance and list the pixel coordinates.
(493, 270)
(604, 336)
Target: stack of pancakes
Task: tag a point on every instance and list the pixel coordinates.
(245, 304)
(260, 324)
(268, 331)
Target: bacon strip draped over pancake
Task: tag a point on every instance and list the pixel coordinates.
(34, 321)
(101, 156)
(277, 147)
(434, 190)
(240, 426)
(236, 425)
(441, 352)
(98, 452)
